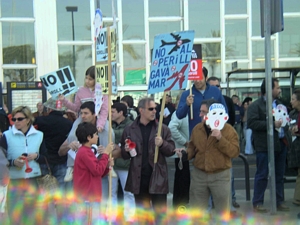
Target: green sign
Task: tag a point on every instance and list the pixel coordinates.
(137, 76)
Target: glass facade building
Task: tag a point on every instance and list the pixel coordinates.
(40, 36)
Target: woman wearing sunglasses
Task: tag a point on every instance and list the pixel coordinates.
(25, 149)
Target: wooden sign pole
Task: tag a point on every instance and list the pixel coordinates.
(160, 124)
(109, 119)
(191, 106)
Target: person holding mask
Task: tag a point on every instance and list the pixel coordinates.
(25, 148)
(293, 154)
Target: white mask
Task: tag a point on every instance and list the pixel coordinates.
(281, 114)
(216, 117)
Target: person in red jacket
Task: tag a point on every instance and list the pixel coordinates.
(89, 169)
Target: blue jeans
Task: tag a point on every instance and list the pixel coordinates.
(59, 172)
(261, 175)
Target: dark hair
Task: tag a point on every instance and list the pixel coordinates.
(88, 105)
(120, 107)
(263, 85)
(213, 79)
(297, 93)
(129, 100)
(247, 100)
(204, 71)
(235, 96)
(209, 102)
(85, 130)
(144, 101)
(90, 71)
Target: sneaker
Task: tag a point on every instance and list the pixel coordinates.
(235, 204)
(283, 207)
(259, 209)
(69, 174)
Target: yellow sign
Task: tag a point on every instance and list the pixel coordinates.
(102, 77)
(13, 85)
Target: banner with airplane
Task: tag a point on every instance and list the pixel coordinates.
(170, 61)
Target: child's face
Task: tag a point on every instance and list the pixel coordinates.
(89, 81)
(94, 139)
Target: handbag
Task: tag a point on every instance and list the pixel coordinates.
(47, 183)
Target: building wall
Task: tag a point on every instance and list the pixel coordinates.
(38, 36)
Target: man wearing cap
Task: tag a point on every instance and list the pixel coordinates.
(56, 129)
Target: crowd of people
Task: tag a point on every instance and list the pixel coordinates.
(74, 142)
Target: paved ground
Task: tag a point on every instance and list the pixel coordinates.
(245, 212)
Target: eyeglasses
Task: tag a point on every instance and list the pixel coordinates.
(151, 109)
(18, 119)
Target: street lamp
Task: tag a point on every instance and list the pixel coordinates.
(73, 9)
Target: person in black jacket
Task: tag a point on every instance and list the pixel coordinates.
(257, 121)
(56, 129)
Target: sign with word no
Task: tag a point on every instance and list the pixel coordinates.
(60, 82)
(101, 45)
(170, 61)
(103, 79)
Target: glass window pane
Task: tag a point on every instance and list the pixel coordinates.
(236, 77)
(133, 20)
(199, 12)
(106, 7)
(18, 75)
(73, 20)
(256, 18)
(258, 53)
(211, 58)
(236, 39)
(289, 39)
(18, 43)
(291, 6)
(161, 28)
(12, 8)
(81, 61)
(290, 64)
(235, 7)
(134, 64)
(164, 8)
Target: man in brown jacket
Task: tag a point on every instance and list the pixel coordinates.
(212, 150)
(146, 180)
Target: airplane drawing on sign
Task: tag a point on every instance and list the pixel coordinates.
(179, 76)
(177, 43)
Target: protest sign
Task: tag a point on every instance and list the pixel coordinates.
(102, 77)
(98, 23)
(102, 45)
(195, 72)
(170, 61)
(60, 82)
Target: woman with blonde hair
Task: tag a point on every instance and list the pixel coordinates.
(25, 150)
